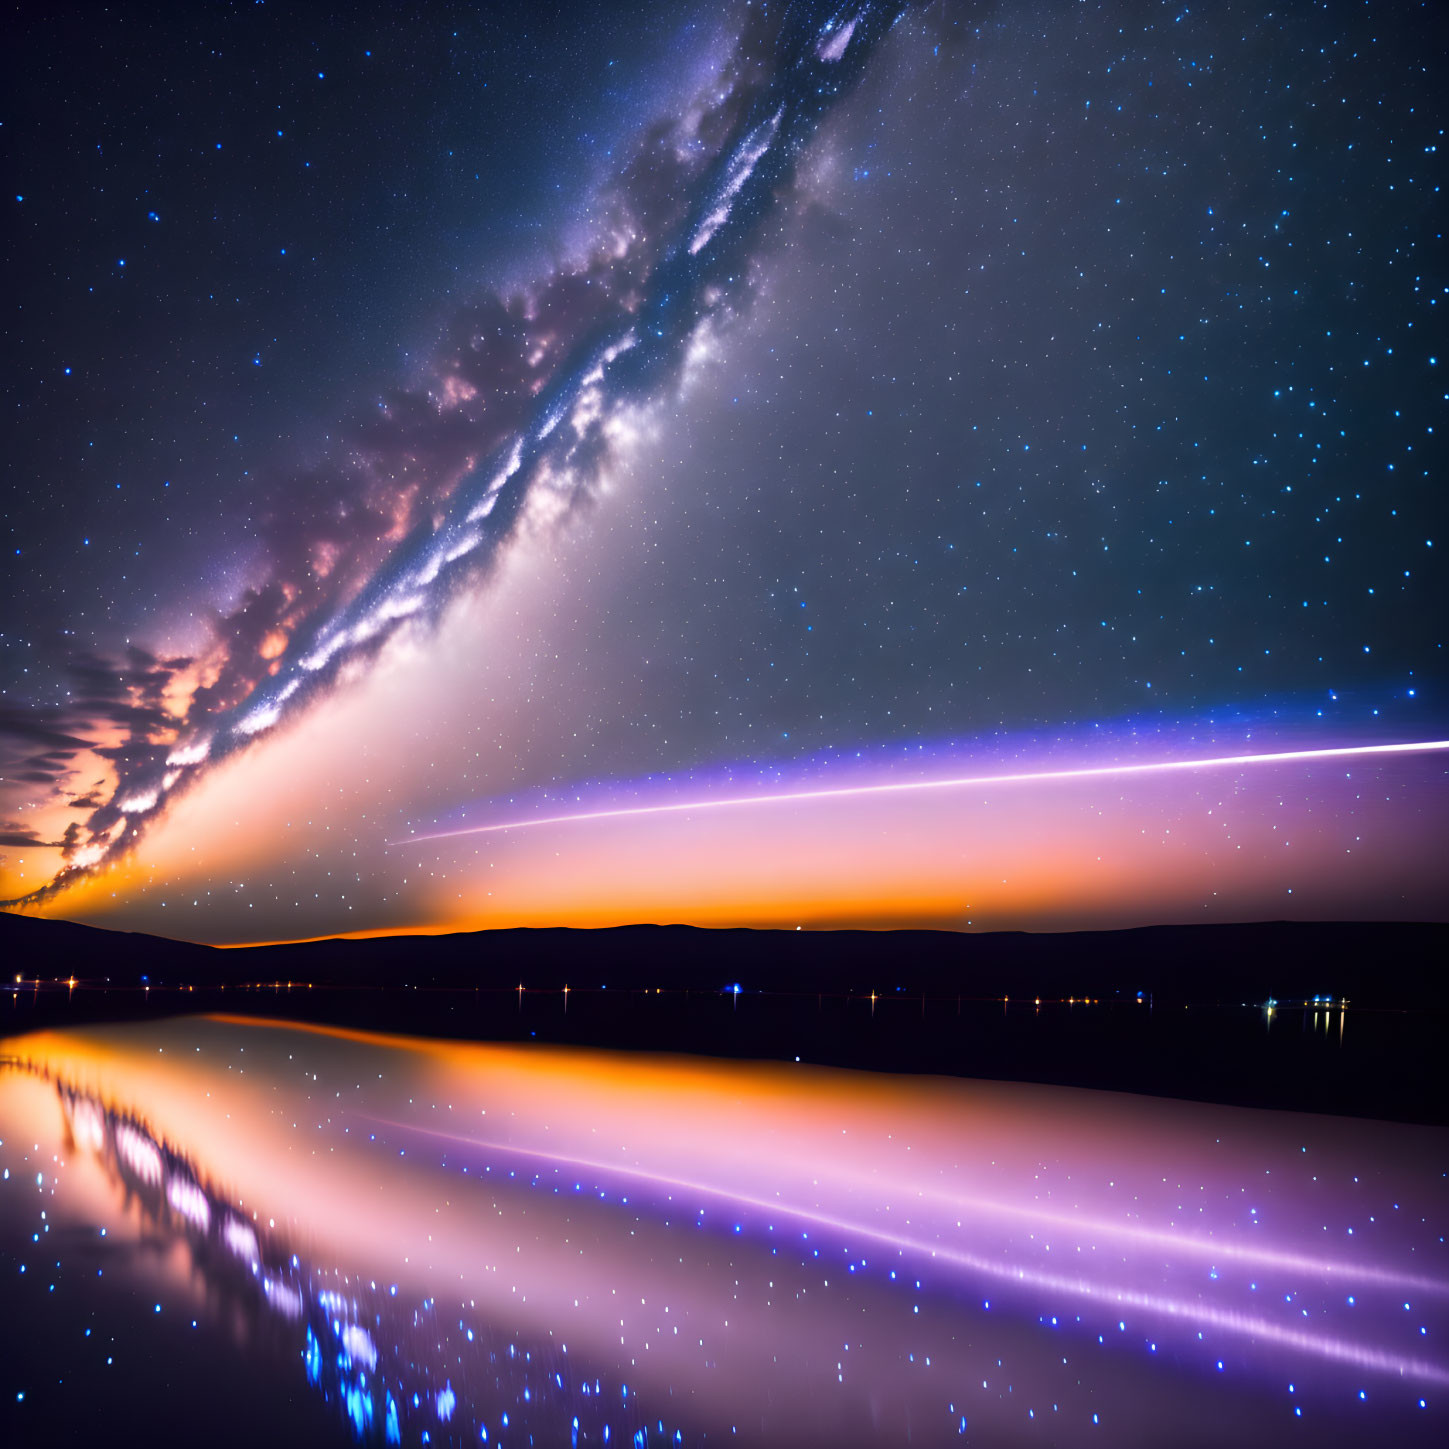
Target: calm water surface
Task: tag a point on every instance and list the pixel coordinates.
(220, 1227)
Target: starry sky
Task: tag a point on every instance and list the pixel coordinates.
(607, 420)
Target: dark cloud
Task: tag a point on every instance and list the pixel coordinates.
(115, 711)
(39, 726)
(12, 832)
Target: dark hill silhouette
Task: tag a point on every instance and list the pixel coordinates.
(1170, 1015)
(1374, 964)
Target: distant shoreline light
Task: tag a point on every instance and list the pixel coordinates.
(1088, 772)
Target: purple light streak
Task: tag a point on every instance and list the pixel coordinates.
(1089, 772)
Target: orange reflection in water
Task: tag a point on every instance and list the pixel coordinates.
(781, 1250)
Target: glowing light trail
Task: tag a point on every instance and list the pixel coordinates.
(1087, 1228)
(1088, 772)
(595, 1191)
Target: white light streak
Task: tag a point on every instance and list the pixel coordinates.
(833, 47)
(1118, 1295)
(192, 753)
(756, 144)
(358, 1342)
(139, 1153)
(261, 718)
(241, 1239)
(189, 1200)
(1088, 772)
(515, 462)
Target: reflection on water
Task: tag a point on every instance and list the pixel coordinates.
(512, 1245)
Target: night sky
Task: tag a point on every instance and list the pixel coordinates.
(421, 422)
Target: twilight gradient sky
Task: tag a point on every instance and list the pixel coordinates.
(421, 424)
